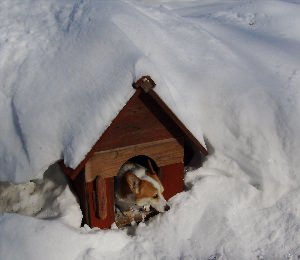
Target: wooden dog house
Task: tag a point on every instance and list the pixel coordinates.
(145, 127)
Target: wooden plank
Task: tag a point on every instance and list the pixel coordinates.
(94, 219)
(145, 83)
(107, 163)
(101, 198)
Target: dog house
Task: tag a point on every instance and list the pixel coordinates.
(145, 128)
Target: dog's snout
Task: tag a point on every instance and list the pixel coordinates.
(167, 207)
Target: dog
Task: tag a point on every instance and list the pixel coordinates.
(139, 189)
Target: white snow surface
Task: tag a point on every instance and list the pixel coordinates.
(229, 69)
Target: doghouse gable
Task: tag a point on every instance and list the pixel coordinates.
(144, 119)
(145, 126)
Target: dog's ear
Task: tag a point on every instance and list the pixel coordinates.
(133, 182)
(155, 177)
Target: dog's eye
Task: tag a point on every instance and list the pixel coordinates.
(155, 196)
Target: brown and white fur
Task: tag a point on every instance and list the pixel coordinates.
(137, 188)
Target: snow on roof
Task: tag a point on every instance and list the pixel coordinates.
(67, 72)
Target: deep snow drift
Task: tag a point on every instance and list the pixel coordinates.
(229, 69)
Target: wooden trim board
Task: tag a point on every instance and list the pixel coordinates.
(107, 163)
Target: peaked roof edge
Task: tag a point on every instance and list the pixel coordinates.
(147, 84)
(182, 127)
(144, 84)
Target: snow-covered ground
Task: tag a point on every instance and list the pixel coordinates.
(230, 70)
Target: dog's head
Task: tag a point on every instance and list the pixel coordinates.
(147, 189)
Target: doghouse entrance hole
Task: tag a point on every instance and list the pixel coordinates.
(125, 218)
(144, 161)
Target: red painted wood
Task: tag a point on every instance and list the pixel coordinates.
(171, 177)
(101, 198)
(135, 124)
(94, 220)
(145, 83)
(144, 118)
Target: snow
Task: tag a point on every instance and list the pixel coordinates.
(85, 63)
(230, 70)
(45, 198)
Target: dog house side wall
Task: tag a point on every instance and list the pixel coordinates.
(172, 176)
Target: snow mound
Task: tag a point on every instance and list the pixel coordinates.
(73, 73)
(46, 198)
(228, 69)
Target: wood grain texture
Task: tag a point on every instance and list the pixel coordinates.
(95, 220)
(107, 163)
(101, 198)
(136, 124)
